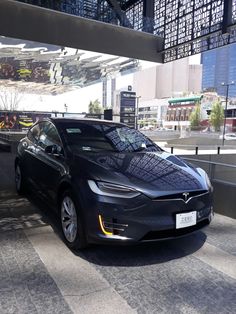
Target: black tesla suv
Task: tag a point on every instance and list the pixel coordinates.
(110, 183)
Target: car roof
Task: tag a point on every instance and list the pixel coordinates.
(84, 120)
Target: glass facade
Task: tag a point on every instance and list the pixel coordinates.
(219, 66)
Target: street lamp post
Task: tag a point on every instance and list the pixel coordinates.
(226, 104)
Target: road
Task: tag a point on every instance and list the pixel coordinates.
(39, 274)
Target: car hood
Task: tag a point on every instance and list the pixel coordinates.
(152, 173)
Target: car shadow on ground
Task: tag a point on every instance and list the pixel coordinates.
(144, 253)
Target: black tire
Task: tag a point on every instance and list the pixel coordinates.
(76, 239)
(19, 180)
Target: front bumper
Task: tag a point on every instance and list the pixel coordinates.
(141, 219)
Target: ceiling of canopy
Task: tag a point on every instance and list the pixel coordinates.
(47, 69)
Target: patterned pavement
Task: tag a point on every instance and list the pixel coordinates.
(164, 278)
(25, 284)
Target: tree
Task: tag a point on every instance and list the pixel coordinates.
(95, 107)
(195, 117)
(217, 115)
(10, 98)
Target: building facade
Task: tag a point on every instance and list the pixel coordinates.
(168, 80)
(152, 112)
(219, 66)
(154, 86)
(179, 111)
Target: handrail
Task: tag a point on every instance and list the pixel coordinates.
(212, 170)
(211, 162)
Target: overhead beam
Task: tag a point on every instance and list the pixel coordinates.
(24, 21)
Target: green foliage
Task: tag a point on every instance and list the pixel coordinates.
(95, 107)
(195, 117)
(217, 115)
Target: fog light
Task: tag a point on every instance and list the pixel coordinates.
(103, 227)
(110, 226)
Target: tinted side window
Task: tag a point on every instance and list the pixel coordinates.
(33, 133)
(48, 135)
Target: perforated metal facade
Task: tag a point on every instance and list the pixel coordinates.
(187, 26)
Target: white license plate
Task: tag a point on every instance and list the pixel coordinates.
(186, 220)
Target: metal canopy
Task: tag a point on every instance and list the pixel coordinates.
(187, 27)
(168, 29)
(24, 21)
(42, 68)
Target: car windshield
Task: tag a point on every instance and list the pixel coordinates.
(95, 137)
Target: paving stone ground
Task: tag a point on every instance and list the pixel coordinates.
(161, 278)
(222, 234)
(25, 284)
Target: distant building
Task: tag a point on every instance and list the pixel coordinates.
(154, 86)
(152, 112)
(218, 66)
(179, 111)
(168, 80)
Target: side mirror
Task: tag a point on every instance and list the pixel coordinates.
(53, 150)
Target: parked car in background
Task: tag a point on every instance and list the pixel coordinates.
(110, 183)
(229, 136)
(164, 129)
(147, 128)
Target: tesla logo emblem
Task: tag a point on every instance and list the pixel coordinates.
(185, 195)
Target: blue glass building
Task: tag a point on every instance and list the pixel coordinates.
(219, 66)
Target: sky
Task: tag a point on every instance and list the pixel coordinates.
(77, 101)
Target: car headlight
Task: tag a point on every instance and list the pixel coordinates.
(113, 190)
(208, 182)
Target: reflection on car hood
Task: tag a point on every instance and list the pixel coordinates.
(152, 173)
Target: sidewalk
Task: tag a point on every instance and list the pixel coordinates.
(25, 284)
(38, 273)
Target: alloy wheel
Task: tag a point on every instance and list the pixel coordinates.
(69, 219)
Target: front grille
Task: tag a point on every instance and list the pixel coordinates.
(181, 195)
(163, 234)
